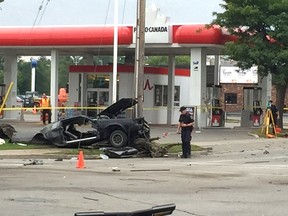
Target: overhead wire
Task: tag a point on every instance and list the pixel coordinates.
(38, 13)
(124, 7)
(47, 2)
(105, 22)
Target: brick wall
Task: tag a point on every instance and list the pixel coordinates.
(239, 90)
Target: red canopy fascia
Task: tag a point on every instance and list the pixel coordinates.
(64, 36)
(125, 68)
(199, 34)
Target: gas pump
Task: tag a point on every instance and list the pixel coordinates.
(217, 114)
(257, 113)
(252, 111)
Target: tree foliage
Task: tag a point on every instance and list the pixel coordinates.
(261, 29)
(42, 75)
(163, 60)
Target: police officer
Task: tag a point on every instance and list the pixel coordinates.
(186, 123)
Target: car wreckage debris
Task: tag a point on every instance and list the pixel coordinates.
(141, 149)
(34, 162)
(110, 128)
(7, 131)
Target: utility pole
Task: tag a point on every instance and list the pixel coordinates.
(139, 57)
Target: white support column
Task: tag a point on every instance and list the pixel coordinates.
(266, 85)
(197, 89)
(54, 83)
(110, 89)
(88, 61)
(216, 70)
(171, 84)
(83, 89)
(10, 75)
(73, 88)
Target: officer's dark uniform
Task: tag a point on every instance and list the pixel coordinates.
(186, 134)
(274, 112)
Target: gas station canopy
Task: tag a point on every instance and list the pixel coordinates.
(98, 40)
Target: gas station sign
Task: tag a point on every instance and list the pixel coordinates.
(232, 74)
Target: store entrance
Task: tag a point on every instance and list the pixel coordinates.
(96, 98)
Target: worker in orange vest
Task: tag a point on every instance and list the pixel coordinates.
(46, 108)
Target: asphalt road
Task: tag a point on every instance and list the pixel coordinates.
(231, 182)
(242, 175)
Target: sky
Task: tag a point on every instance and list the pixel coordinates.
(100, 12)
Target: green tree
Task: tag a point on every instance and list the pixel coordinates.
(163, 60)
(157, 60)
(64, 63)
(23, 77)
(43, 69)
(261, 28)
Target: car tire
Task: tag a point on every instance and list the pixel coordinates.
(118, 139)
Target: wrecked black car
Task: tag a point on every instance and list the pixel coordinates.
(109, 127)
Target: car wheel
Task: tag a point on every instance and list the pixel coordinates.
(118, 139)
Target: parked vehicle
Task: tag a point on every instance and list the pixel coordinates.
(19, 99)
(32, 99)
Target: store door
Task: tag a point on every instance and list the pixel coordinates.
(96, 98)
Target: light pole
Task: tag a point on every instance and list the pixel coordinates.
(76, 60)
(115, 53)
(33, 73)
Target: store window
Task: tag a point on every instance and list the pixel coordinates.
(98, 81)
(230, 98)
(176, 95)
(161, 95)
(158, 95)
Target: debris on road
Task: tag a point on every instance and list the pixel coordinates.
(254, 135)
(266, 152)
(150, 170)
(34, 162)
(88, 198)
(120, 152)
(104, 157)
(20, 144)
(115, 169)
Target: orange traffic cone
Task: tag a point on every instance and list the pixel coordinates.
(80, 161)
(34, 110)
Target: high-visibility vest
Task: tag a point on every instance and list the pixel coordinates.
(45, 102)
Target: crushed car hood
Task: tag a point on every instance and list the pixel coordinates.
(118, 107)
